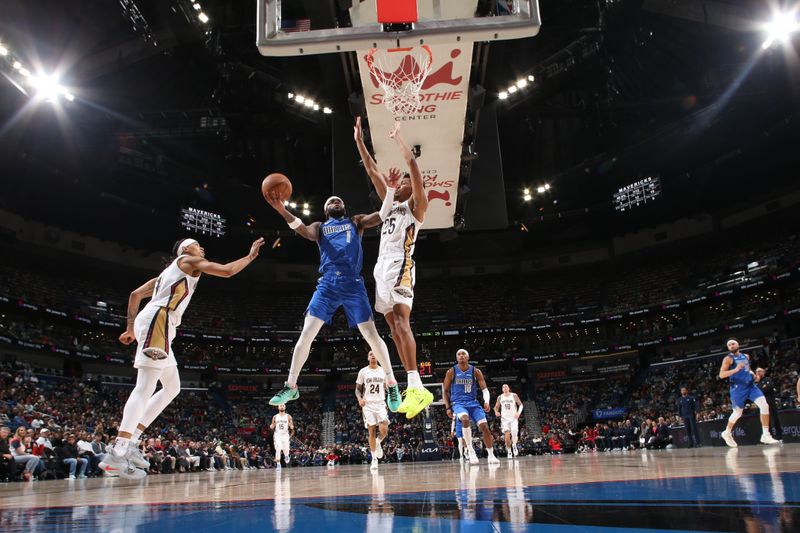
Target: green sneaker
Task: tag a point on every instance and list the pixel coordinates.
(416, 400)
(287, 394)
(394, 401)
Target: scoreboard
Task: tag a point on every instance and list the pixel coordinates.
(637, 193)
(202, 222)
(425, 368)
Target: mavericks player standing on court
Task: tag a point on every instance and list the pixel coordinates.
(372, 400)
(509, 408)
(743, 388)
(283, 430)
(341, 285)
(395, 270)
(153, 329)
(460, 388)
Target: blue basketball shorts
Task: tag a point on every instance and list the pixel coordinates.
(334, 292)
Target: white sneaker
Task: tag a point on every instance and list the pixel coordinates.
(516, 451)
(71, 477)
(120, 465)
(510, 453)
(492, 459)
(728, 438)
(374, 465)
(378, 449)
(766, 438)
(135, 456)
(278, 465)
(473, 456)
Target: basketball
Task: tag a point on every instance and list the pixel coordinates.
(277, 182)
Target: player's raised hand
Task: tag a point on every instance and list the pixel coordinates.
(127, 337)
(275, 201)
(393, 178)
(255, 247)
(357, 134)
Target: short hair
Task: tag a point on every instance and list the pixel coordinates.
(732, 339)
(761, 368)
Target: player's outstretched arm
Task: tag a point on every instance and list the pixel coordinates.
(369, 163)
(134, 301)
(310, 232)
(193, 265)
(418, 195)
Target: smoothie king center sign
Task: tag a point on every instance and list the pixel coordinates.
(437, 125)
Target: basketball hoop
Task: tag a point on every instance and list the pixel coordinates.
(401, 73)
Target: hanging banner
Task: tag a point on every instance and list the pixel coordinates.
(437, 127)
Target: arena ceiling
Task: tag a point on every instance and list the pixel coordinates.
(171, 113)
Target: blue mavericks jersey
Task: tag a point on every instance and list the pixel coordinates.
(742, 377)
(464, 388)
(340, 250)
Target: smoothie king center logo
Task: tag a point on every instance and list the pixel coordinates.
(428, 100)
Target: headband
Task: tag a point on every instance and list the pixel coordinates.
(185, 243)
(463, 350)
(329, 200)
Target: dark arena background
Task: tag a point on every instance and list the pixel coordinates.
(613, 195)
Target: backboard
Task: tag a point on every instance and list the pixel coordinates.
(302, 27)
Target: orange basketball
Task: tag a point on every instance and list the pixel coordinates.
(279, 183)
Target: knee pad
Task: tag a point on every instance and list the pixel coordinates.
(735, 415)
(762, 404)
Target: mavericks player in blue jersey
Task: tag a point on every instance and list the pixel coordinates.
(341, 285)
(460, 396)
(736, 367)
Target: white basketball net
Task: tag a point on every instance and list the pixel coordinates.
(401, 73)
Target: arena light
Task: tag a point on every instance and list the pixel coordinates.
(196, 6)
(3, 50)
(69, 96)
(522, 83)
(17, 65)
(512, 89)
(308, 103)
(305, 206)
(286, 203)
(203, 17)
(291, 96)
(503, 95)
(306, 212)
(526, 191)
(25, 72)
(299, 98)
(527, 197)
(327, 110)
(47, 87)
(316, 107)
(780, 28)
(540, 189)
(530, 78)
(293, 205)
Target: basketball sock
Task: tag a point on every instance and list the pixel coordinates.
(414, 381)
(765, 430)
(379, 349)
(467, 432)
(311, 326)
(136, 435)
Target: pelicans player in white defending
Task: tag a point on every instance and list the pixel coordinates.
(372, 400)
(283, 430)
(509, 408)
(153, 329)
(395, 269)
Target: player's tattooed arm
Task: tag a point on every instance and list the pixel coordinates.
(363, 222)
(310, 232)
(134, 301)
(497, 407)
(360, 394)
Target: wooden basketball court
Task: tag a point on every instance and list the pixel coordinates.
(752, 488)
